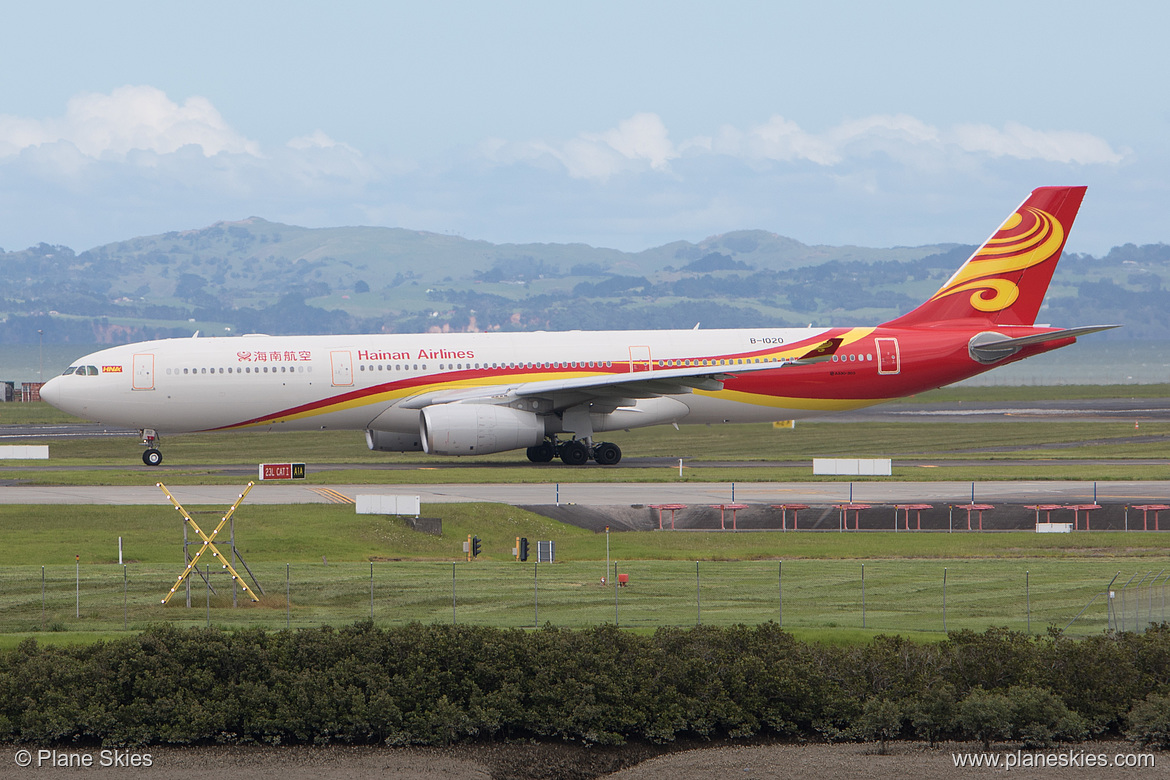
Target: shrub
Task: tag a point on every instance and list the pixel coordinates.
(932, 713)
(985, 716)
(1149, 722)
(880, 720)
(1039, 718)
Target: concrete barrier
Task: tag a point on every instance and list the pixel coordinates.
(387, 505)
(868, 467)
(24, 452)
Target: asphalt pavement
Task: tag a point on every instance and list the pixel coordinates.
(609, 494)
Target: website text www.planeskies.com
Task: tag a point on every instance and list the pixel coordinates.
(1071, 758)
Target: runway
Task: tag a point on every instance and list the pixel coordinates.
(550, 493)
(608, 494)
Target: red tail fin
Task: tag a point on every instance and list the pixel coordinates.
(1004, 282)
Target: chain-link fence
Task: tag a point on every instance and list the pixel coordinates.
(1138, 601)
(875, 595)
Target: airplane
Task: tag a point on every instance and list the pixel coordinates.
(551, 393)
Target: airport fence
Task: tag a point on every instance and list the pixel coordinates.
(1080, 598)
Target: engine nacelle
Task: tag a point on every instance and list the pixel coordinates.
(383, 441)
(477, 429)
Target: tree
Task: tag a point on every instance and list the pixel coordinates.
(932, 712)
(1149, 722)
(880, 720)
(985, 716)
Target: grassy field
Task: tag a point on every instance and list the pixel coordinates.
(811, 582)
(328, 552)
(901, 596)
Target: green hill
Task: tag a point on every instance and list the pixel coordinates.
(260, 276)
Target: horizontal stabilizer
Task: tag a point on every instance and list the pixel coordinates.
(990, 347)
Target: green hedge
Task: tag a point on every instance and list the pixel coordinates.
(433, 685)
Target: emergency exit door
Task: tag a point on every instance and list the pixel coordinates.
(889, 360)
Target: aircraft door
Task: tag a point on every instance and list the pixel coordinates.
(342, 363)
(889, 359)
(639, 359)
(143, 372)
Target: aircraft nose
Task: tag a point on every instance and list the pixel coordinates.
(51, 392)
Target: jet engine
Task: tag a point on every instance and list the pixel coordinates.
(478, 429)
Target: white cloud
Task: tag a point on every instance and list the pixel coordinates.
(636, 143)
(319, 140)
(777, 139)
(643, 143)
(1024, 143)
(904, 138)
(641, 137)
(133, 162)
(130, 118)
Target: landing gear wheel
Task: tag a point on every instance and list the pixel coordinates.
(607, 454)
(152, 457)
(541, 453)
(574, 453)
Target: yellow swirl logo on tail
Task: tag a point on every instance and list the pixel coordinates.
(1029, 237)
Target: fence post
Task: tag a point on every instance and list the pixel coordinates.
(1028, 597)
(944, 599)
(698, 598)
(616, 624)
(863, 595)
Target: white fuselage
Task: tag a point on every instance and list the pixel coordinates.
(359, 382)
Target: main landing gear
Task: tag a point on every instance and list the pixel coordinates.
(576, 452)
(152, 456)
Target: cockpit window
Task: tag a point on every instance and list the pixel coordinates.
(69, 370)
(91, 370)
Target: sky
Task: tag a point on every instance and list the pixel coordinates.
(618, 124)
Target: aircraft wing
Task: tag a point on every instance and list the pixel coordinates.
(637, 384)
